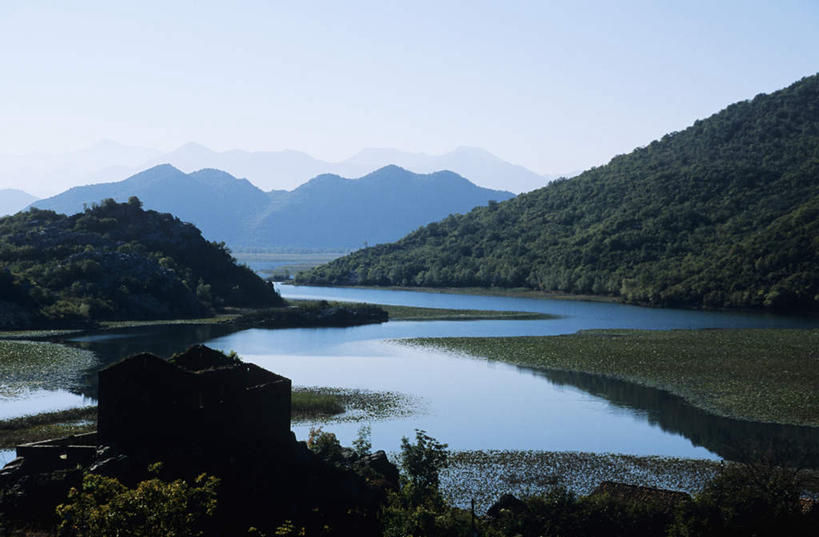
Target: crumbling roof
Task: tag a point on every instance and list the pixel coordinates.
(200, 358)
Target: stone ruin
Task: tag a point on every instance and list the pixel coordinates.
(201, 397)
(199, 411)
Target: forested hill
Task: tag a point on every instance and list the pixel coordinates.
(115, 261)
(722, 214)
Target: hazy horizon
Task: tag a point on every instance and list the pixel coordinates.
(45, 175)
(551, 86)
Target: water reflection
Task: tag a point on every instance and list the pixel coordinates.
(110, 347)
(729, 438)
(476, 404)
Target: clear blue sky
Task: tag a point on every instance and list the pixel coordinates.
(555, 86)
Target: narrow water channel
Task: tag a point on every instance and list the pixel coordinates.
(468, 403)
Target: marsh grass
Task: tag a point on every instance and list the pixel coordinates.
(216, 319)
(35, 334)
(307, 404)
(27, 365)
(356, 405)
(409, 313)
(412, 313)
(47, 425)
(486, 475)
(768, 375)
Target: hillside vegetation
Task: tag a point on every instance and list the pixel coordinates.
(722, 214)
(115, 261)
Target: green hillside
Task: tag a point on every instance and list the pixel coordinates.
(722, 214)
(115, 261)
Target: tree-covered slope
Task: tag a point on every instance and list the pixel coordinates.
(115, 261)
(722, 214)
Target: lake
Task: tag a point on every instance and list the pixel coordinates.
(466, 402)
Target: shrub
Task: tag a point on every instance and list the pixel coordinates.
(105, 507)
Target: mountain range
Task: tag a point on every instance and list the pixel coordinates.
(48, 174)
(13, 200)
(724, 214)
(327, 212)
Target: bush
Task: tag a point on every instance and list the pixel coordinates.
(325, 445)
(752, 499)
(105, 507)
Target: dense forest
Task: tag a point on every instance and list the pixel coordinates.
(115, 261)
(722, 214)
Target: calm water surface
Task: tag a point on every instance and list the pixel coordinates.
(470, 403)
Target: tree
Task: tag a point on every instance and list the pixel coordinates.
(423, 461)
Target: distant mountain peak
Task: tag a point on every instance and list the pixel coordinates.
(194, 146)
(13, 200)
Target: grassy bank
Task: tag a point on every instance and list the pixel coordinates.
(761, 375)
(409, 313)
(486, 475)
(514, 292)
(412, 313)
(47, 425)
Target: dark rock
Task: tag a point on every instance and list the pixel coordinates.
(507, 502)
(379, 466)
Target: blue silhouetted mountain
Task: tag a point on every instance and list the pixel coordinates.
(327, 212)
(13, 200)
(330, 211)
(220, 205)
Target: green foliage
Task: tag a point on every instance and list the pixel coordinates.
(561, 513)
(753, 499)
(105, 507)
(421, 464)
(723, 214)
(418, 508)
(116, 261)
(431, 517)
(362, 443)
(324, 444)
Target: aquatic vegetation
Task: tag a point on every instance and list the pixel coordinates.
(35, 334)
(485, 475)
(27, 365)
(357, 405)
(306, 404)
(767, 375)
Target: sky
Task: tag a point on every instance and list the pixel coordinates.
(554, 86)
